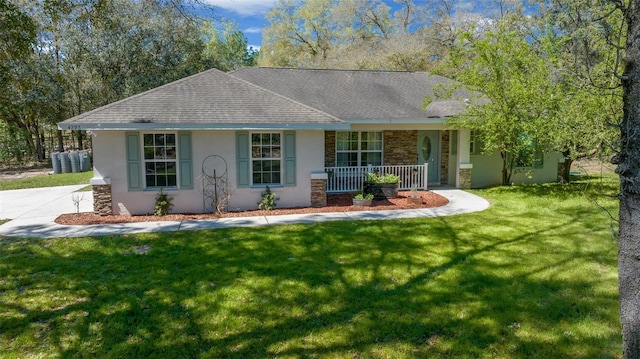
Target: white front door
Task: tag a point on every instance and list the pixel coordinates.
(429, 152)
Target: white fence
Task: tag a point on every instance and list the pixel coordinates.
(351, 179)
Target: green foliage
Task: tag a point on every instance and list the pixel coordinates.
(18, 35)
(62, 58)
(268, 201)
(361, 195)
(518, 99)
(352, 34)
(374, 177)
(163, 204)
(534, 276)
(227, 49)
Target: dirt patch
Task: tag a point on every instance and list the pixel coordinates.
(593, 167)
(6, 175)
(335, 203)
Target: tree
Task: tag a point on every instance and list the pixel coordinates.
(628, 161)
(577, 38)
(227, 49)
(17, 36)
(17, 39)
(517, 101)
(301, 33)
(343, 34)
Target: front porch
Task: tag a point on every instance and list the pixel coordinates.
(421, 158)
(351, 179)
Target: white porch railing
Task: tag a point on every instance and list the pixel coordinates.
(351, 179)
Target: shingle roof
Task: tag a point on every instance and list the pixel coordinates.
(360, 94)
(208, 100)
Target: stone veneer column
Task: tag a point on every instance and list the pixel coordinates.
(319, 189)
(465, 178)
(102, 199)
(464, 164)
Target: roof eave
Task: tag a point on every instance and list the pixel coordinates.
(403, 121)
(208, 126)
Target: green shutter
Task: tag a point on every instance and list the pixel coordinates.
(134, 162)
(289, 158)
(242, 159)
(184, 160)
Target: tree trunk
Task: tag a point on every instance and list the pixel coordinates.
(566, 170)
(60, 141)
(628, 161)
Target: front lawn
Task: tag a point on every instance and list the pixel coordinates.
(62, 179)
(532, 277)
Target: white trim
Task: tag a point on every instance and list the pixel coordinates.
(99, 181)
(144, 161)
(252, 159)
(202, 126)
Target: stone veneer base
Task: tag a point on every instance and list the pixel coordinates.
(102, 200)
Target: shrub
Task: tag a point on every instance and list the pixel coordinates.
(163, 204)
(373, 177)
(268, 201)
(361, 195)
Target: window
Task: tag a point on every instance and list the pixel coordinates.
(266, 158)
(529, 155)
(160, 159)
(358, 148)
(474, 143)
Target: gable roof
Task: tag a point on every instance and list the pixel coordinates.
(211, 99)
(361, 95)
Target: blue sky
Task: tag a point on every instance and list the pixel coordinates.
(248, 14)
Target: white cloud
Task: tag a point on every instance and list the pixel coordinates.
(244, 7)
(253, 30)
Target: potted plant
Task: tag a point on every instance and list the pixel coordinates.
(362, 199)
(382, 186)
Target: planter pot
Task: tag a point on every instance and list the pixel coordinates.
(381, 190)
(362, 202)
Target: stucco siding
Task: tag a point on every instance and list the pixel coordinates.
(487, 171)
(110, 161)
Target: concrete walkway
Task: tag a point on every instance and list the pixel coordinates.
(33, 211)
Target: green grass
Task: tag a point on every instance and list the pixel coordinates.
(62, 179)
(534, 276)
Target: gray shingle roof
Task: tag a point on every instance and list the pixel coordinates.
(208, 100)
(360, 94)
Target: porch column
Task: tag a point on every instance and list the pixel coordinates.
(319, 189)
(102, 196)
(463, 164)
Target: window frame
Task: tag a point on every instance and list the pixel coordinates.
(279, 159)
(474, 144)
(533, 158)
(175, 160)
(359, 151)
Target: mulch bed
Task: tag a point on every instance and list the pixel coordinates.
(335, 203)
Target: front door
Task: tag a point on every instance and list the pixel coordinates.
(429, 152)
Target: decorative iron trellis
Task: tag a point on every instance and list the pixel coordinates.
(215, 189)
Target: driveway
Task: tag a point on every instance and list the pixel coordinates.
(26, 207)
